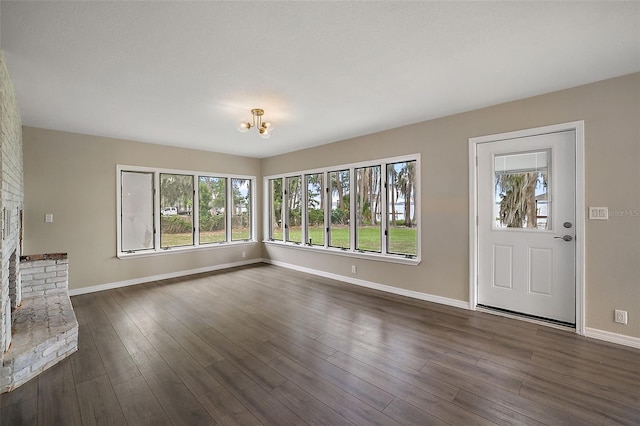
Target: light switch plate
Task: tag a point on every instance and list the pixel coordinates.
(599, 213)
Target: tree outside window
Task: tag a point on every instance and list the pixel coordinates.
(176, 201)
(212, 194)
(241, 209)
(339, 229)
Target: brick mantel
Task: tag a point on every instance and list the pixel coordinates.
(49, 256)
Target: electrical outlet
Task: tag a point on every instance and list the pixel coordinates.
(244, 254)
(354, 270)
(620, 316)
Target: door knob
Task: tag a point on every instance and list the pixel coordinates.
(566, 238)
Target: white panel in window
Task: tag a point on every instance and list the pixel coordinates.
(137, 211)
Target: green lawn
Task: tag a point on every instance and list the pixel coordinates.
(212, 236)
(186, 239)
(401, 240)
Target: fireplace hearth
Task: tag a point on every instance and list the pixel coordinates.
(44, 329)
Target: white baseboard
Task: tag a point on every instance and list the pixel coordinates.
(109, 286)
(593, 333)
(608, 336)
(369, 284)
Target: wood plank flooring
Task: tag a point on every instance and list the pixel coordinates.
(266, 345)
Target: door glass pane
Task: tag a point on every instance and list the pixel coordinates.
(368, 197)
(315, 210)
(176, 202)
(340, 210)
(275, 209)
(137, 211)
(241, 209)
(401, 222)
(294, 211)
(522, 190)
(212, 201)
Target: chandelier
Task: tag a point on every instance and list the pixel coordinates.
(264, 127)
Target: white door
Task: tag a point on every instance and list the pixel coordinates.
(526, 225)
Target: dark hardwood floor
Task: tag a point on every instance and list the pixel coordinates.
(266, 345)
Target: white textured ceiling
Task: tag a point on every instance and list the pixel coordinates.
(185, 73)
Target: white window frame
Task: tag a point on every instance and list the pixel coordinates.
(351, 251)
(230, 206)
(305, 214)
(195, 211)
(157, 208)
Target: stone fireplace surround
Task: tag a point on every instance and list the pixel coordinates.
(44, 329)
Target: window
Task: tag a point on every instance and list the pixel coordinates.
(521, 190)
(275, 209)
(176, 203)
(368, 220)
(369, 209)
(315, 209)
(294, 204)
(241, 210)
(402, 233)
(212, 196)
(339, 230)
(164, 210)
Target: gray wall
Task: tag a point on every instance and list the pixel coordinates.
(611, 111)
(73, 176)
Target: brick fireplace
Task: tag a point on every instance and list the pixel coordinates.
(11, 204)
(44, 329)
(37, 325)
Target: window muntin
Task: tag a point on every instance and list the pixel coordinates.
(275, 210)
(241, 209)
(212, 196)
(521, 191)
(368, 209)
(340, 213)
(137, 229)
(294, 209)
(316, 229)
(176, 202)
(402, 232)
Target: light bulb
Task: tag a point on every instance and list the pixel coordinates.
(244, 126)
(265, 134)
(267, 125)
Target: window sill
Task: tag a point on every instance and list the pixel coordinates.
(348, 253)
(174, 250)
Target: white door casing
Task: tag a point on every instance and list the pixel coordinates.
(531, 271)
